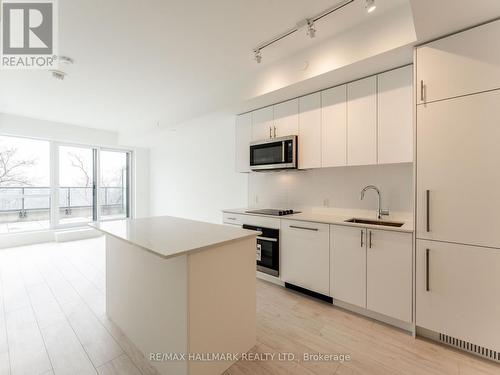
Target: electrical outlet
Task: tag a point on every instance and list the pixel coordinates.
(256, 199)
(326, 202)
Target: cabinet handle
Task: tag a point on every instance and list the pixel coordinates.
(427, 210)
(231, 218)
(370, 240)
(305, 228)
(267, 239)
(427, 261)
(270, 133)
(275, 132)
(422, 91)
(362, 243)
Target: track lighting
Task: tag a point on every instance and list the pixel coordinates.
(311, 31)
(258, 56)
(370, 5)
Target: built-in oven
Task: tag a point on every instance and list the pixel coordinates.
(268, 250)
(276, 153)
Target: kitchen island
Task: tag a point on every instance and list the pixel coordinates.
(182, 291)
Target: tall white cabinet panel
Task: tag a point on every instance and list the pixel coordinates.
(310, 131)
(395, 116)
(243, 133)
(286, 118)
(389, 273)
(457, 291)
(362, 122)
(334, 127)
(460, 64)
(348, 264)
(262, 123)
(305, 255)
(458, 175)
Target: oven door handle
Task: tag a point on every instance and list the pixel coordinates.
(267, 239)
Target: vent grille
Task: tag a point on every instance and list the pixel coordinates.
(470, 347)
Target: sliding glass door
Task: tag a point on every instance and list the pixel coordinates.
(77, 185)
(114, 184)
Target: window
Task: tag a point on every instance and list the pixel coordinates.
(45, 184)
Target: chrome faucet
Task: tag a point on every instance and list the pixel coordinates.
(380, 212)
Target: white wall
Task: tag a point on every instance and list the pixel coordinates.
(340, 187)
(193, 169)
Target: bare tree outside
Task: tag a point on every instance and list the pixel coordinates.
(78, 161)
(12, 168)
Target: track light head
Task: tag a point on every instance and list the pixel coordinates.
(370, 5)
(258, 56)
(311, 30)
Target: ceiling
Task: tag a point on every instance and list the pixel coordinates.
(159, 62)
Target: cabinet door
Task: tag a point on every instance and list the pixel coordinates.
(348, 264)
(286, 118)
(464, 63)
(310, 131)
(362, 122)
(458, 157)
(395, 116)
(389, 274)
(243, 137)
(262, 123)
(457, 291)
(305, 256)
(334, 127)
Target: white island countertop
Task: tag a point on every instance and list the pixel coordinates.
(169, 236)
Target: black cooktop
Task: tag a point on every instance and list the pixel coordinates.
(272, 212)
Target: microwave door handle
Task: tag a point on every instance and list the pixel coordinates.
(283, 151)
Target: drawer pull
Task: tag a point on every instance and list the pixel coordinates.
(267, 239)
(231, 218)
(427, 263)
(304, 228)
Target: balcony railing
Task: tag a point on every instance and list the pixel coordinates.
(28, 199)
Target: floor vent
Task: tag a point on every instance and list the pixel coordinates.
(470, 347)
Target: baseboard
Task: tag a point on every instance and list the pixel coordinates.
(76, 234)
(25, 239)
(309, 293)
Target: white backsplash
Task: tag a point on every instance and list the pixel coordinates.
(336, 189)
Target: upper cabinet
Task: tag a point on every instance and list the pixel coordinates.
(334, 127)
(459, 64)
(243, 133)
(286, 118)
(310, 131)
(369, 121)
(262, 124)
(395, 119)
(362, 122)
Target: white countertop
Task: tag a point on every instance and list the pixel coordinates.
(334, 218)
(169, 236)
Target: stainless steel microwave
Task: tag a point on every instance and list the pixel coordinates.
(275, 153)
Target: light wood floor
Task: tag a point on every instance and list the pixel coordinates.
(52, 321)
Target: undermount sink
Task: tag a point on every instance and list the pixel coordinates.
(375, 222)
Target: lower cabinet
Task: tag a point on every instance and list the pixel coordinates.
(458, 291)
(305, 255)
(389, 273)
(372, 269)
(348, 264)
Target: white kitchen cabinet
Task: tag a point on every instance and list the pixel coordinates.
(310, 131)
(348, 264)
(305, 255)
(334, 127)
(464, 63)
(362, 122)
(395, 116)
(262, 123)
(389, 273)
(457, 291)
(458, 173)
(286, 118)
(243, 133)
